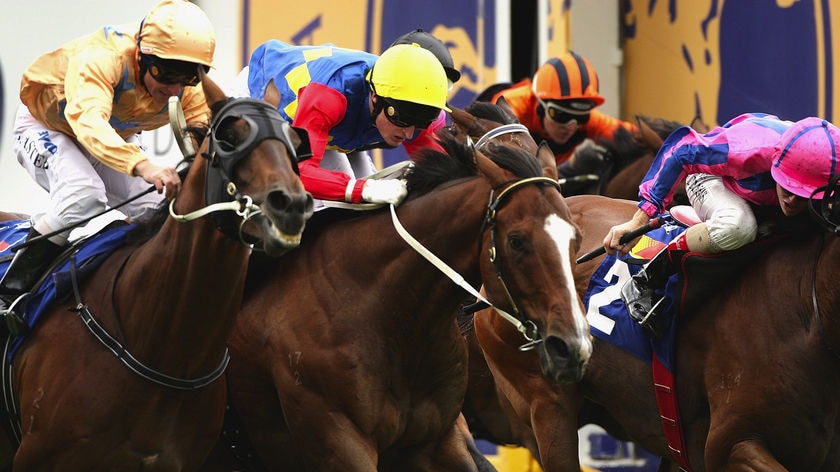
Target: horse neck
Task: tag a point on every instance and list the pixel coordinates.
(188, 280)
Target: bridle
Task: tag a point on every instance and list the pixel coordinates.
(522, 324)
(264, 122)
(527, 327)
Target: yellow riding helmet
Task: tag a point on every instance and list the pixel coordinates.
(178, 30)
(409, 73)
(568, 77)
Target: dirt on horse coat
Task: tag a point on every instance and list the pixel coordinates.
(756, 383)
(170, 300)
(346, 354)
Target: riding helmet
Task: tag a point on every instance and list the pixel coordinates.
(568, 77)
(435, 46)
(411, 74)
(178, 30)
(806, 157)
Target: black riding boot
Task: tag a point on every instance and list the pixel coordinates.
(26, 268)
(640, 292)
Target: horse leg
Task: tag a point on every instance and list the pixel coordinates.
(451, 452)
(548, 409)
(744, 456)
(480, 461)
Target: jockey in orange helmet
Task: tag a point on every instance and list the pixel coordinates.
(559, 106)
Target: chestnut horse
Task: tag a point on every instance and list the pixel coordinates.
(161, 307)
(754, 394)
(346, 354)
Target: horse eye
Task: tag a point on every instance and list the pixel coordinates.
(517, 243)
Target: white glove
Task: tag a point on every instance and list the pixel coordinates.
(384, 191)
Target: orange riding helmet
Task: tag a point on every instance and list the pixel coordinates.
(568, 77)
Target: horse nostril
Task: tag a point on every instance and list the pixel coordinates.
(278, 200)
(556, 347)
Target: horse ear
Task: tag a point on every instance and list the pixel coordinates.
(466, 123)
(699, 125)
(212, 92)
(647, 135)
(272, 94)
(489, 169)
(545, 156)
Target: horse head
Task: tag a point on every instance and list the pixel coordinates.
(528, 229)
(252, 155)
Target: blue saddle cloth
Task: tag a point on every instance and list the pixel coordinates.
(89, 254)
(608, 317)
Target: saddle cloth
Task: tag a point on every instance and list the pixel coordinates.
(88, 254)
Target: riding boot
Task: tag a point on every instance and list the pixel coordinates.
(639, 294)
(26, 268)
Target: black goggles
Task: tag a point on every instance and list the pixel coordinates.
(576, 112)
(168, 76)
(403, 121)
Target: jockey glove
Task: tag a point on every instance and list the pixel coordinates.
(384, 191)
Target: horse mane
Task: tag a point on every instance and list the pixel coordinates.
(434, 168)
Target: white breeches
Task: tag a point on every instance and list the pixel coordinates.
(729, 218)
(80, 186)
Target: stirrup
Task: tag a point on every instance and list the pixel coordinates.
(650, 320)
(15, 324)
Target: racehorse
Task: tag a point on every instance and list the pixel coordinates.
(355, 362)
(136, 384)
(755, 365)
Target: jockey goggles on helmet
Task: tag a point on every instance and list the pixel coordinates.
(171, 72)
(405, 114)
(565, 112)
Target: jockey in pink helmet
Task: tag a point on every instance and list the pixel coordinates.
(806, 157)
(753, 161)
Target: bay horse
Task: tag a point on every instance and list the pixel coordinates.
(356, 362)
(151, 396)
(756, 365)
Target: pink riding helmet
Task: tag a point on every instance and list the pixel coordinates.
(806, 156)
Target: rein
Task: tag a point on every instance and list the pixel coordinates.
(817, 317)
(122, 353)
(528, 329)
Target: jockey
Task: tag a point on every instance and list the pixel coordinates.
(83, 106)
(559, 107)
(754, 159)
(349, 100)
(359, 164)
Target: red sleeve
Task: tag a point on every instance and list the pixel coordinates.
(426, 138)
(319, 109)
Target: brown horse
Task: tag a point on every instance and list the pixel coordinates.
(165, 307)
(753, 393)
(356, 362)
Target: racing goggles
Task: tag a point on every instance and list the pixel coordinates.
(568, 112)
(169, 72)
(405, 114)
